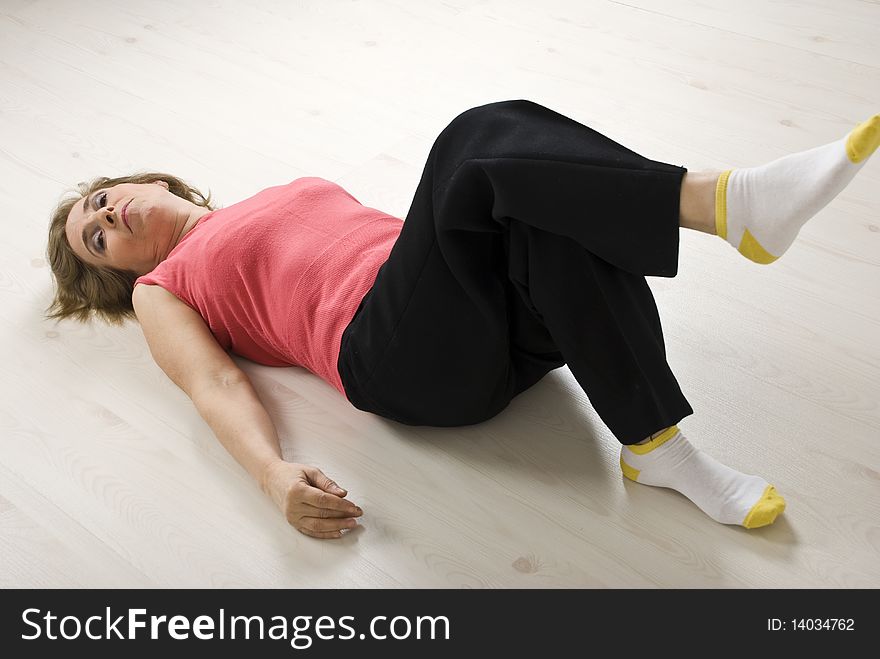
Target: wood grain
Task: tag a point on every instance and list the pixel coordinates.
(108, 476)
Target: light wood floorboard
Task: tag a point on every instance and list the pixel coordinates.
(108, 476)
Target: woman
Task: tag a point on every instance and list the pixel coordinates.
(526, 248)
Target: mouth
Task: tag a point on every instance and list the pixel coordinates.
(125, 215)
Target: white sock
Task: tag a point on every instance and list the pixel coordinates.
(726, 495)
(760, 210)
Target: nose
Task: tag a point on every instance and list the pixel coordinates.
(108, 216)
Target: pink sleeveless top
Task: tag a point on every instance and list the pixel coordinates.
(278, 277)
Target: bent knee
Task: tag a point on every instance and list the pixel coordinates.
(483, 131)
(492, 112)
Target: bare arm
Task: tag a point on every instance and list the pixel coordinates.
(185, 349)
(223, 394)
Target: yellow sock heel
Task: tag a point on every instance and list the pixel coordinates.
(752, 250)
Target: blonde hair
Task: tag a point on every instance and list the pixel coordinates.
(83, 291)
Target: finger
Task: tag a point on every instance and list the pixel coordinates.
(323, 535)
(320, 499)
(321, 525)
(311, 511)
(321, 480)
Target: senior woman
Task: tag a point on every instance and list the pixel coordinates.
(526, 247)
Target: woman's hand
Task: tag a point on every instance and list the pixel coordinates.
(312, 503)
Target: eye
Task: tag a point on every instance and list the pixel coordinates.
(99, 240)
(104, 195)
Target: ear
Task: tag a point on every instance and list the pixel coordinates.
(164, 184)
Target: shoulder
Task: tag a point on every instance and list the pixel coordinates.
(152, 301)
(144, 294)
(179, 339)
(163, 316)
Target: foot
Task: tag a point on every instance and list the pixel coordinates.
(726, 495)
(760, 210)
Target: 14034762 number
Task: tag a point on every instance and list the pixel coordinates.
(811, 624)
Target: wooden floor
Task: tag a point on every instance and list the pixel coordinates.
(109, 477)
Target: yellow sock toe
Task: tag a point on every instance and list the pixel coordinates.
(863, 140)
(765, 512)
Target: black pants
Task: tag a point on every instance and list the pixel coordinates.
(526, 248)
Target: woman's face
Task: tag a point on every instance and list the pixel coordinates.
(130, 226)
